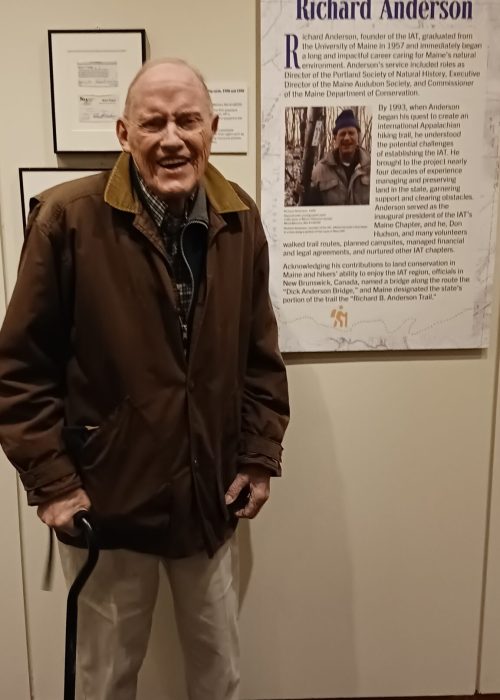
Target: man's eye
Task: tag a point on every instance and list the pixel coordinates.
(188, 122)
(152, 125)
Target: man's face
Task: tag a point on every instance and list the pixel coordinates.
(347, 141)
(168, 131)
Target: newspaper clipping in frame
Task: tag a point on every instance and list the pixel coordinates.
(380, 127)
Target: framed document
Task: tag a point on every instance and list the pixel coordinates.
(90, 71)
(230, 101)
(32, 181)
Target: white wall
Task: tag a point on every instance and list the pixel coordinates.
(363, 576)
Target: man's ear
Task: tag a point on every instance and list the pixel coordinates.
(122, 134)
(215, 124)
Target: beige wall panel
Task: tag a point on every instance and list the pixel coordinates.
(366, 576)
(14, 672)
(363, 577)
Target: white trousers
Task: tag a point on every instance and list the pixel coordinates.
(115, 614)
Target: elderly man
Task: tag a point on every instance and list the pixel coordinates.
(343, 176)
(141, 378)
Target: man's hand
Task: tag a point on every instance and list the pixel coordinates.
(59, 512)
(258, 479)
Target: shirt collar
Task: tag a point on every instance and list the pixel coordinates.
(196, 206)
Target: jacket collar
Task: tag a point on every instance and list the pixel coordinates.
(119, 192)
(333, 158)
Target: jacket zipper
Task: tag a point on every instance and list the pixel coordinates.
(191, 221)
(355, 176)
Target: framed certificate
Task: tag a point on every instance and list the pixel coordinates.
(90, 71)
(32, 181)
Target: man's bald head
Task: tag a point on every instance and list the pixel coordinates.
(148, 65)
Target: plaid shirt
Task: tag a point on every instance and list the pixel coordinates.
(171, 228)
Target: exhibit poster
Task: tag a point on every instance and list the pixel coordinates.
(379, 142)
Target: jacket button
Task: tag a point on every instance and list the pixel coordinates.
(191, 385)
(195, 463)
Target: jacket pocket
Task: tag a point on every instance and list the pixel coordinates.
(122, 469)
(362, 190)
(328, 184)
(333, 191)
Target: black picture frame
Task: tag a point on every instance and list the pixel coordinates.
(90, 71)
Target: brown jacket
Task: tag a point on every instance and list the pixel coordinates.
(95, 386)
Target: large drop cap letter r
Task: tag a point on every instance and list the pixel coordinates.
(292, 44)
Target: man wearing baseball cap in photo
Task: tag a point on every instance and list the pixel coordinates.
(343, 175)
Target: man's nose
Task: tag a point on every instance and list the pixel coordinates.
(170, 136)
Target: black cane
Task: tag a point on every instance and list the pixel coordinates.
(82, 522)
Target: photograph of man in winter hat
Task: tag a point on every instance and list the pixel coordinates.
(333, 155)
